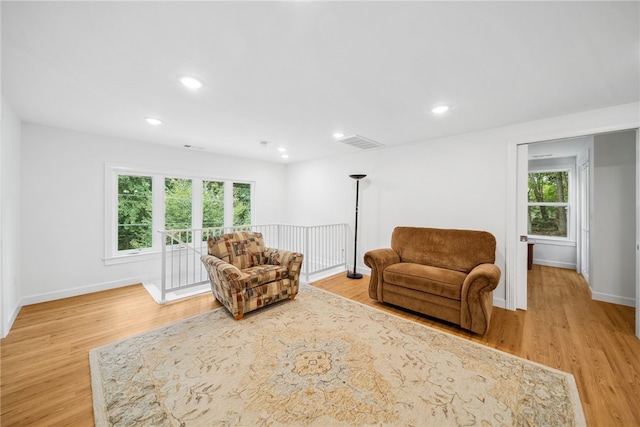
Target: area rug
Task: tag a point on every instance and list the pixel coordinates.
(320, 360)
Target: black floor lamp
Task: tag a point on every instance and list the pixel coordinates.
(354, 274)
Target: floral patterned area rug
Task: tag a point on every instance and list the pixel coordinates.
(320, 360)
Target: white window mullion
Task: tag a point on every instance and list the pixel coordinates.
(253, 195)
(158, 210)
(196, 203)
(228, 204)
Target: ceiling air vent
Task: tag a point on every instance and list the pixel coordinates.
(360, 142)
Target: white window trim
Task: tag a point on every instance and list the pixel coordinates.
(111, 254)
(550, 240)
(570, 205)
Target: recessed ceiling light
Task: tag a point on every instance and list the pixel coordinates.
(440, 109)
(153, 121)
(338, 135)
(285, 156)
(191, 82)
(282, 149)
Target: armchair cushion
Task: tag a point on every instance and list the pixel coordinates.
(458, 250)
(240, 249)
(261, 274)
(425, 278)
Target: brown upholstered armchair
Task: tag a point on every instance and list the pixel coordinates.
(246, 275)
(447, 274)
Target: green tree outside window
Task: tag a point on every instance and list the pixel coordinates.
(134, 212)
(177, 204)
(548, 203)
(212, 204)
(241, 204)
(136, 207)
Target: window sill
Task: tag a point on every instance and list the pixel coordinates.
(132, 257)
(551, 241)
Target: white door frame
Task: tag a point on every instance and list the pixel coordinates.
(637, 232)
(515, 285)
(584, 217)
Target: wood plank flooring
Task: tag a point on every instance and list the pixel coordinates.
(45, 377)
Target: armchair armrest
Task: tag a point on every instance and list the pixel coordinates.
(378, 260)
(228, 279)
(477, 297)
(289, 259)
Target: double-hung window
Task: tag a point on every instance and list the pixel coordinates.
(241, 203)
(177, 203)
(140, 203)
(213, 204)
(549, 204)
(135, 207)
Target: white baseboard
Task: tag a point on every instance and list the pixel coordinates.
(499, 302)
(12, 318)
(66, 293)
(361, 270)
(568, 265)
(322, 275)
(614, 299)
(81, 290)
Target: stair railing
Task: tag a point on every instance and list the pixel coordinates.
(323, 247)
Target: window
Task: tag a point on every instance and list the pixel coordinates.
(549, 204)
(134, 212)
(140, 203)
(177, 204)
(241, 204)
(212, 204)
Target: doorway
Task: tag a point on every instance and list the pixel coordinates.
(554, 202)
(626, 292)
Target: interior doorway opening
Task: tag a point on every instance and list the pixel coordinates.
(604, 238)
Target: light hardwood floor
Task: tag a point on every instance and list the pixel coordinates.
(45, 377)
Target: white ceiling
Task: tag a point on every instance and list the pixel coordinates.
(293, 73)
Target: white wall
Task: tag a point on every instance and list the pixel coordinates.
(459, 182)
(9, 218)
(455, 182)
(63, 205)
(562, 254)
(613, 231)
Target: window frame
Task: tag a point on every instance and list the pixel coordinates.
(112, 171)
(570, 204)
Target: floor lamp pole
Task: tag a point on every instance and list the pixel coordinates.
(354, 274)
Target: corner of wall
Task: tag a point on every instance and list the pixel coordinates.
(6, 327)
(10, 171)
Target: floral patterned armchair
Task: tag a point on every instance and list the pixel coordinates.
(245, 275)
